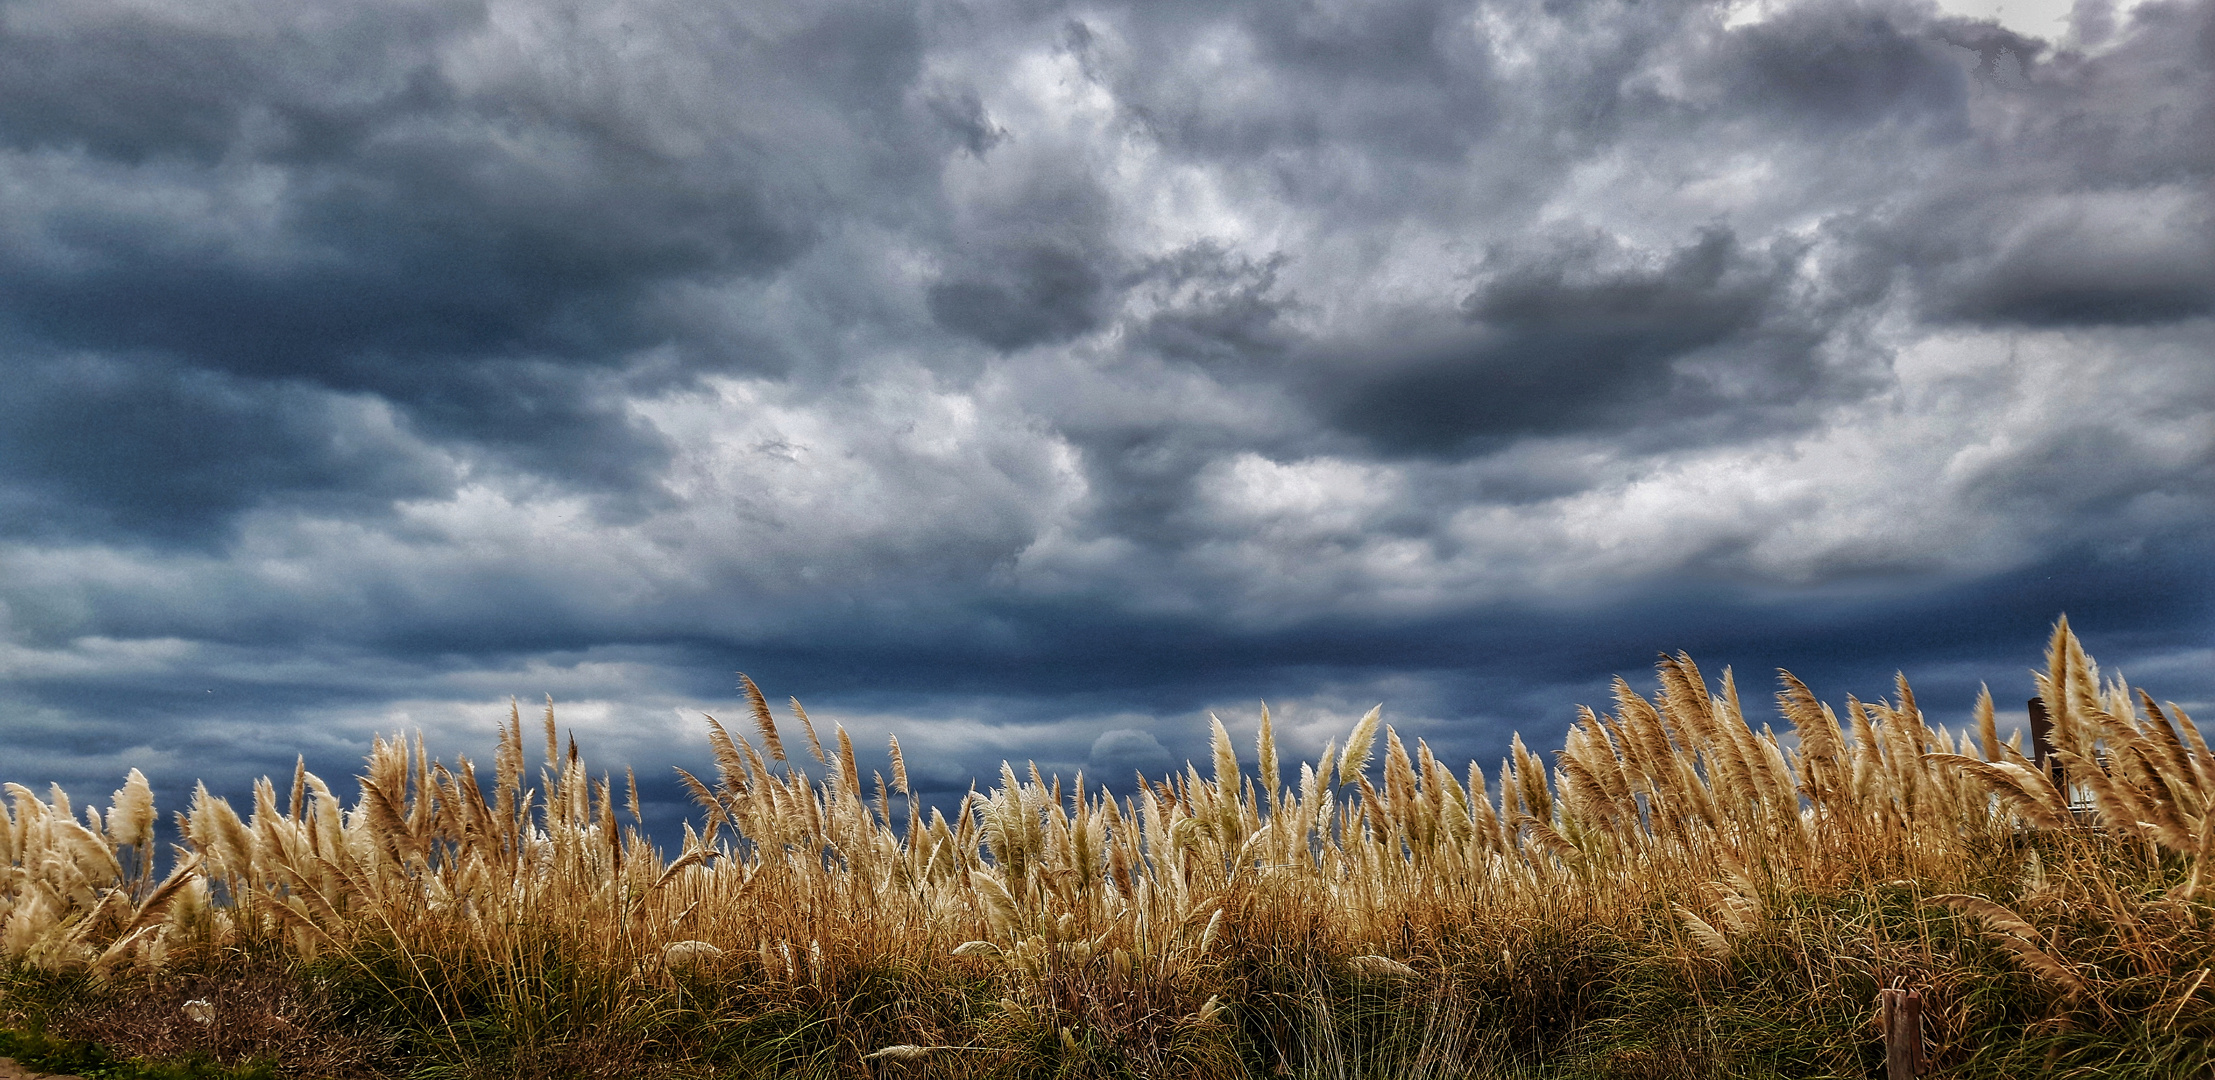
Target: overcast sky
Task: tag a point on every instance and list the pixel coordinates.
(1031, 379)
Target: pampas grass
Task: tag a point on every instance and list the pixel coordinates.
(1681, 892)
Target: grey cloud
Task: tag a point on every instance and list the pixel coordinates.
(2104, 259)
(1033, 261)
(1401, 79)
(93, 446)
(1037, 294)
(963, 113)
(1036, 379)
(541, 417)
(1305, 100)
(1559, 341)
(1991, 42)
(2093, 211)
(1835, 67)
(139, 86)
(2079, 469)
(1217, 307)
(1118, 753)
(477, 236)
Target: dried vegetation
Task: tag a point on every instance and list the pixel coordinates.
(1679, 894)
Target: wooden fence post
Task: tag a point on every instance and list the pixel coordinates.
(2041, 733)
(1900, 1013)
(2041, 745)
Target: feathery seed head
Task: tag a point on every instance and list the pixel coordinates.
(903, 1053)
(1265, 746)
(763, 721)
(688, 955)
(131, 812)
(1380, 967)
(1355, 758)
(1226, 760)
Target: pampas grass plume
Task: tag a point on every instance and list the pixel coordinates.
(131, 812)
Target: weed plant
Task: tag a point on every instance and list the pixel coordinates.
(1677, 895)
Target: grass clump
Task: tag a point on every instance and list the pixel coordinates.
(1677, 895)
(38, 1049)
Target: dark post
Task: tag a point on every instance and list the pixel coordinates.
(1900, 1013)
(2041, 742)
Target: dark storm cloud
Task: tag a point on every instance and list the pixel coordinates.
(1401, 80)
(1032, 265)
(1032, 380)
(2094, 211)
(138, 445)
(1039, 294)
(131, 85)
(1558, 343)
(2080, 266)
(1821, 69)
(962, 112)
(1221, 308)
(353, 197)
(411, 215)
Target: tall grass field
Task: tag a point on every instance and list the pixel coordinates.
(1690, 887)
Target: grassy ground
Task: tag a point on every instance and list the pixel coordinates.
(1546, 997)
